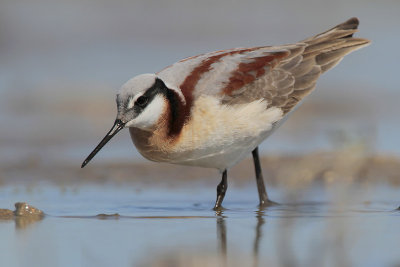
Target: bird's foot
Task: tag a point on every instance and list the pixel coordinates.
(267, 203)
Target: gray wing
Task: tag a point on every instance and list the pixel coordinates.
(292, 78)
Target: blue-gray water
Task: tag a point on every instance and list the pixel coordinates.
(321, 228)
(60, 65)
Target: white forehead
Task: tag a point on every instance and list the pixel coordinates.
(138, 84)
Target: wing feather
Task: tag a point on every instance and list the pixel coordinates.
(294, 76)
(280, 75)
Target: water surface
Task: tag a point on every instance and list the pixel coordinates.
(316, 227)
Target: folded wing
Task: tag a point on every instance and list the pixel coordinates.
(294, 69)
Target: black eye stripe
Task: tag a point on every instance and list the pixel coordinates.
(142, 101)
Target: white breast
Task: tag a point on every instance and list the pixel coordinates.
(217, 136)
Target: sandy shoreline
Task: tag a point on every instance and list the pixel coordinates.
(350, 166)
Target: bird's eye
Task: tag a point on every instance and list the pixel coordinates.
(142, 101)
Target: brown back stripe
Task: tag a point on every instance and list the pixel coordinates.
(189, 84)
(242, 75)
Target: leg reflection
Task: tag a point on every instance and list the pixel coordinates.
(221, 238)
(260, 222)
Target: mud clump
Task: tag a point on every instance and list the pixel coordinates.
(24, 209)
(23, 215)
(6, 214)
(103, 216)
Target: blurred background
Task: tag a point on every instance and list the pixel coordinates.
(62, 62)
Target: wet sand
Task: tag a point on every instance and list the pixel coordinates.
(350, 165)
(23, 215)
(61, 63)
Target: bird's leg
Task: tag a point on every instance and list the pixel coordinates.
(221, 190)
(262, 193)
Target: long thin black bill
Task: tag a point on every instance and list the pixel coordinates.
(118, 126)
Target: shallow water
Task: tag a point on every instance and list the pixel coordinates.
(61, 64)
(343, 226)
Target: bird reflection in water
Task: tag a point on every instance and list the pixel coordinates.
(222, 236)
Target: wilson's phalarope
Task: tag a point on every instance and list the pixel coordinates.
(213, 109)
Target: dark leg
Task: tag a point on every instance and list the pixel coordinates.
(221, 189)
(262, 193)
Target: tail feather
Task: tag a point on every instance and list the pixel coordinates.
(331, 46)
(320, 53)
(345, 29)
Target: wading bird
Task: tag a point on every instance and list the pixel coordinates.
(212, 110)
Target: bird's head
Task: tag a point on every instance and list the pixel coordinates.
(142, 102)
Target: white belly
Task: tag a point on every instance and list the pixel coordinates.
(218, 136)
(221, 157)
